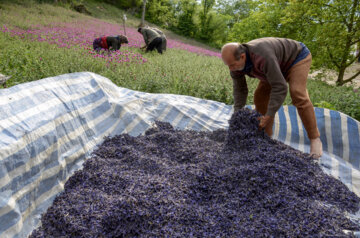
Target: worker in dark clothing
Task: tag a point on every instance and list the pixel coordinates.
(163, 38)
(152, 39)
(109, 42)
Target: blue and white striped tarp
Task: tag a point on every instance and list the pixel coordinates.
(48, 128)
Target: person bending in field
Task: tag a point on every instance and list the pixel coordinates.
(163, 38)
(279, 63)
(152, 39)
(109, 42)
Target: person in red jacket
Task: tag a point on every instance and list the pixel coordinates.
(279, 63)
(109, 42)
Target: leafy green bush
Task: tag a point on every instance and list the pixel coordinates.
(324, 104)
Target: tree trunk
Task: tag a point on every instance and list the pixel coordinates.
(350, 32)
(343, 65)
(340, 79)
(143, 13)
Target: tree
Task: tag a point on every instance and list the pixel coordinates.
(263, 21)
(160, 12)
(205, 19)
(125, 4)
(187, 11)
(332, 27)
(219, 29)
(237, 9)
(143, 13)
(339, 33)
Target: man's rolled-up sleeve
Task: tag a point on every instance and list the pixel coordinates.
(240, 90)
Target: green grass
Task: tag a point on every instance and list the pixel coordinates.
(25, 15)
(177, 71)
(168, 73)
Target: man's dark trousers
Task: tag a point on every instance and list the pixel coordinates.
(156, 43)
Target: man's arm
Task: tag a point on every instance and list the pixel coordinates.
(113, 43)
(278, 85)
(117, 45)
(146, 38)
(240, 91)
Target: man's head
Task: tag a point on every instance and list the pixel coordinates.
(123, 39)
(233, 56)
(139, 29)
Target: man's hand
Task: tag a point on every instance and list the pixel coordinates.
(264, 121)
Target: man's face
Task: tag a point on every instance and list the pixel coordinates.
(232, 63)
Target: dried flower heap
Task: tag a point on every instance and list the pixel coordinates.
(226, 183)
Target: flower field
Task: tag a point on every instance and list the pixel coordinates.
(54, 40)
(80, 35)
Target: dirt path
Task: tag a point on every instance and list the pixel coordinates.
(330, 76)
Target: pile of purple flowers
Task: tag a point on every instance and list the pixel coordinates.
(227, 183)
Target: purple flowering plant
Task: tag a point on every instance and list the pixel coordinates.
(80, 35)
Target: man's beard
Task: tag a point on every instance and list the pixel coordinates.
(240, 69)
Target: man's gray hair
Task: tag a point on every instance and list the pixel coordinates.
(239, 50)
(123, 39)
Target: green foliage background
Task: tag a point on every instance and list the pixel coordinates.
(177, 71)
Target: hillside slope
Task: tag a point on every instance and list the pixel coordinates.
(42, 40)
